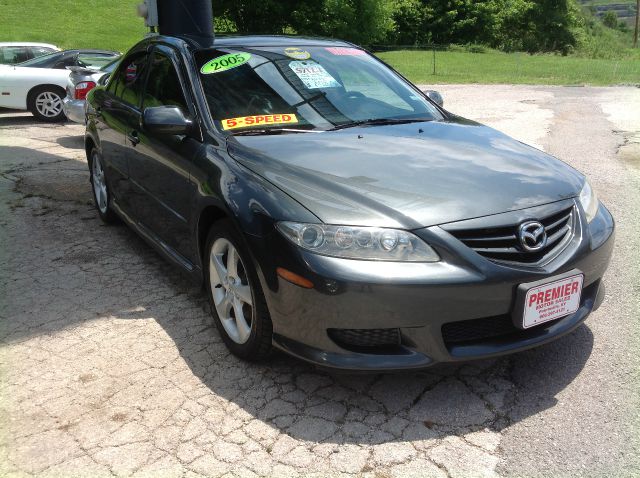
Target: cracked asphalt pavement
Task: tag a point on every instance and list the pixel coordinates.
(110, 364)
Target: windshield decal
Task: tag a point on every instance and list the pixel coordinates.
(225, 63)
(313, 75)
(297, 53)
(342, 51)
(259, 120)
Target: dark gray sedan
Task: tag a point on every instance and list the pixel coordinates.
(334, 211)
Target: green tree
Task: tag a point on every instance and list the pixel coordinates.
(360, 21)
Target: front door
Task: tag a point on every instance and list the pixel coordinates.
(160, 165)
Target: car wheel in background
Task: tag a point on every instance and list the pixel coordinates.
(237, 302)
(45, 103)
(99, 184)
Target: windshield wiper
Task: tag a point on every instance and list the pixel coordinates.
(379, 122)
(271, 131)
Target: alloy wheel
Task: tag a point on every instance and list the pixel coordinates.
(99, 184)
(231, 291)
(49, 104)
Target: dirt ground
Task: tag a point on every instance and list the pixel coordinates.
(110, 364)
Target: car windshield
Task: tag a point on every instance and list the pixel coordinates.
(305, 88)
(87, 59)
(42, 60)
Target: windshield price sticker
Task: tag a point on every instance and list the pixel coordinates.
(225, 63)
(313, 75)
(342, 51)
(259, 120)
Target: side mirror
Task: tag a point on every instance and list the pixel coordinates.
(168, 120)
(435, 97)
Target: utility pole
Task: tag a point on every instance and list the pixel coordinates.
(635, 33)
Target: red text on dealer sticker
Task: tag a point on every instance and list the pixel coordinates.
(552, 301)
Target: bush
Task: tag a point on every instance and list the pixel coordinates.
(610, 19)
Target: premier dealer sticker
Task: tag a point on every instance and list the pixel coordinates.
(259, 120)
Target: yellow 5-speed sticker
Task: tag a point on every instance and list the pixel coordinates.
(259, 120)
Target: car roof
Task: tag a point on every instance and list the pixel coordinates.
(27, 43)
(246, 41)
(275, 40)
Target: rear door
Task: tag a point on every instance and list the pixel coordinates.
(160, 165)
(119, 112)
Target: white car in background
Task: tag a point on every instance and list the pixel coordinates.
(39, 85)
(18, 52)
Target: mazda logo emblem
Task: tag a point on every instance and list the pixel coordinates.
(532, 236)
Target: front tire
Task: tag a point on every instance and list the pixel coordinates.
(45, 103)
(235, 296)
(100, 188)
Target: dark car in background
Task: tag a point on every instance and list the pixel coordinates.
(332, 210)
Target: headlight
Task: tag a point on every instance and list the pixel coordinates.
(365, 243)
(589, 201)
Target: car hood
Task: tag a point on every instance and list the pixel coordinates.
(409, 176)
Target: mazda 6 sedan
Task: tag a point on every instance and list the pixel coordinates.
(332, 210)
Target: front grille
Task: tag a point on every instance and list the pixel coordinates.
(479, 330)
(352, 339)
(500, 327)
(501, 244)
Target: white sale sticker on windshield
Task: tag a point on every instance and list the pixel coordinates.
(313, 75)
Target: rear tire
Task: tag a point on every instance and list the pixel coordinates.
(237, 302)
(100, 188)
(45, 103)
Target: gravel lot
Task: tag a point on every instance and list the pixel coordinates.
(110, 365)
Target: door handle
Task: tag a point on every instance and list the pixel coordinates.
(133, 138)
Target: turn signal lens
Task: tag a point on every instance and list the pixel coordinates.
(364, 243)
(294, 278)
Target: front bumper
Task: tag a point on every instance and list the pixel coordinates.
(435, 307)
(74, 110)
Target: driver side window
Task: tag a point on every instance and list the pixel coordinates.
(128, 80)
(164, 87)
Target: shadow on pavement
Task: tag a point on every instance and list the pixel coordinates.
(288, 395)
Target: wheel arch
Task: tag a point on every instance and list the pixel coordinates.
(53, 86)
(208, 216)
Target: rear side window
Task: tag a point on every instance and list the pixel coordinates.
(10, 55)
(163, 87)
(37, 51)
(128, 80)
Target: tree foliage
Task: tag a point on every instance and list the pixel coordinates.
(530, 25)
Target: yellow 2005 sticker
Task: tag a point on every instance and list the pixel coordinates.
(259, 120)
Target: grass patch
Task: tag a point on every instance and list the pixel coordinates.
(519, 68)
(113, 24)
(110, 24)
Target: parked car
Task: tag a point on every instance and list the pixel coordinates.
(39, 85)
(332, 210)
(18, 52)
(81, 81)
